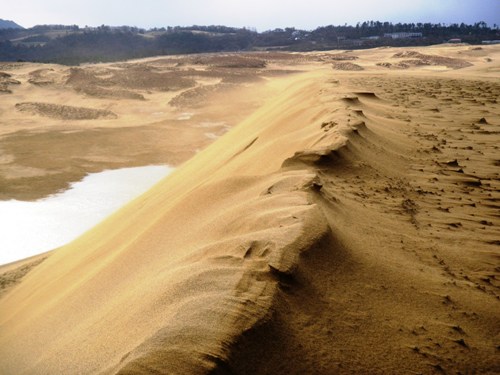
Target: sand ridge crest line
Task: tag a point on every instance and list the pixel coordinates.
(284, 258)
(282, 261)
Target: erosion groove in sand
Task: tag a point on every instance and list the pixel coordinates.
(348, 225)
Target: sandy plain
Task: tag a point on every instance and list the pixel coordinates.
(331, 213)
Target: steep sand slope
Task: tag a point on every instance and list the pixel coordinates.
(350, 225)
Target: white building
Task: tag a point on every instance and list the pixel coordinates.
(403, 35)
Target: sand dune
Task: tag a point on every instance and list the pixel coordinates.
(347, 225)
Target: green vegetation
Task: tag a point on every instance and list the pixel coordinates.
(73, 45)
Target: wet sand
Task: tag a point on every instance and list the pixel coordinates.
(60, 218)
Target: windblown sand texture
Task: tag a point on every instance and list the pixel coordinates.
(347, 225)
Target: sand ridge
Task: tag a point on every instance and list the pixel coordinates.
(348, 225)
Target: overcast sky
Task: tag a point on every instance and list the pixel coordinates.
(261, 14)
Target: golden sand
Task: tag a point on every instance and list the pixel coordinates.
(348, 224)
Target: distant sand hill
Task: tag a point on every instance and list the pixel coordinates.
(348, 225)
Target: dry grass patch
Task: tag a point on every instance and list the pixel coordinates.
(419, 59)
(346, 66)
(64, 112)
(5, 81)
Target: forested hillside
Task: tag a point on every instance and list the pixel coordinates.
(73, 45)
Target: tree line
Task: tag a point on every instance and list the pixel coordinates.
(73, 45)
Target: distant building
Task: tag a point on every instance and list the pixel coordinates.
(351, 43)
(455, 40)
(403, 35)
(491, 42)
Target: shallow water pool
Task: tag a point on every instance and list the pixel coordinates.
(31, 228)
